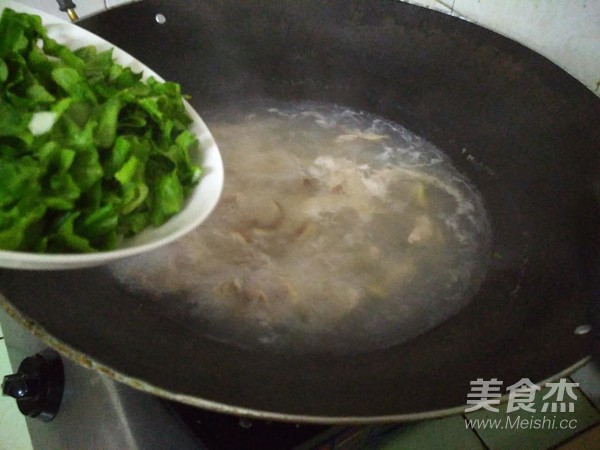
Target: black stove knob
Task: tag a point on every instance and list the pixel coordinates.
(20, 386)
(38, 385)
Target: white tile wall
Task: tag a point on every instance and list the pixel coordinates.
(565, 31)
(113, 3)
(13, 429)
(444, 6)
(84, 7)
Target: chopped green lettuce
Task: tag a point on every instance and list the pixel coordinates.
(89, 153)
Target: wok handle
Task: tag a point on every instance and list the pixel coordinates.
(69, 7)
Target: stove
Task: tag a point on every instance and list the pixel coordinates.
(96, 412)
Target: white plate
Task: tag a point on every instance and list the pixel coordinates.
(199, 205)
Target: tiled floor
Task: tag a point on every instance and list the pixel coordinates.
(581, 427)
(13, 430)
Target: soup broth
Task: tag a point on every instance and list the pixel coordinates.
(337, 230)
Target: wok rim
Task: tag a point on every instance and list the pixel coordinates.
(84, 360)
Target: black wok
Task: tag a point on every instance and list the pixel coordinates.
(525, 132)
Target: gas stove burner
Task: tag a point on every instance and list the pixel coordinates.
(226, 432)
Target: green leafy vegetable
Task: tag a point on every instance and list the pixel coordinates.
(89, 153)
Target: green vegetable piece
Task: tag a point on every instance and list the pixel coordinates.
(14, 238)
(168, 199)
(80, 113)
(118, 156)
(38, 94)
(62, 105)
(12, 121)
(80, 139)
(106, 132)
(53, 48)
(66, 159)
(135, 223)
(66, 238)
(126, 78)
(127, 172)
(63, 192)
(98, 65)
(86, 169)
(3, 71)
(134, 195)
(99, 223)
(150, 105)
(12, 38)
(73, 83)
(39, 64)
(17, 181)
